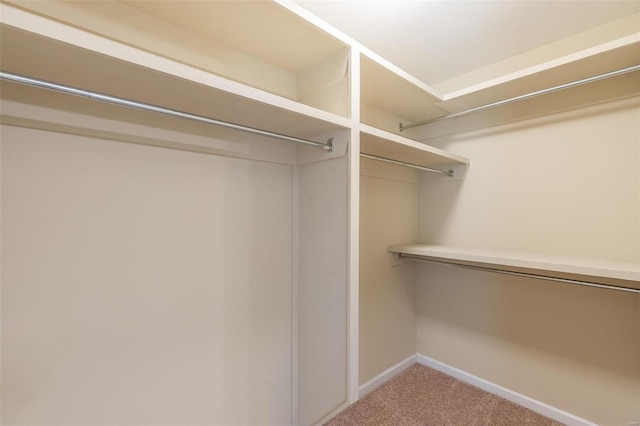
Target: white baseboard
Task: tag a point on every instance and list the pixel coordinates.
(374, 383)
(331, 415)
(386, 375)
(525, 401)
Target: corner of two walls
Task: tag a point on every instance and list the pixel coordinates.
(388, 215)
(565, 184)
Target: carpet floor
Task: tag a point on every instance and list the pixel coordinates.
(423, 396)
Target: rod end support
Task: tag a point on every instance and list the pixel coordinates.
(329, 146)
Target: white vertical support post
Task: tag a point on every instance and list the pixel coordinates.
(354, 225)
(295, 282)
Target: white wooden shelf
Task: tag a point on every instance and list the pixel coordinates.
(390, 96)
(606, 57)
(603, 272)
(44, 49)
(260, 44)
(380, 143)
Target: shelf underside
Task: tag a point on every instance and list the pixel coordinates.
(383, 144)
(610, 273)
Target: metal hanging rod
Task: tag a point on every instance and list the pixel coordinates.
(157, 109)
(525, 96)
(522, 274)
(449, 173)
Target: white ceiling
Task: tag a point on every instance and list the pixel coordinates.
(438, 40)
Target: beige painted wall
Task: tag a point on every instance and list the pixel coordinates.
(566, 184)
(322, 289)
(143, 285)
(388, 215)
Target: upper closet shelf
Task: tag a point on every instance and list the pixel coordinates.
(132, 53)
(388, 95)
(593, 272)
(391, 99)
(604, 58)
(379, 143)
(600, 74)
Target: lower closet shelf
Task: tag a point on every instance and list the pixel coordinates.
(612, 275)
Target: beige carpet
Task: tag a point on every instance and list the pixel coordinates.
(423, 396)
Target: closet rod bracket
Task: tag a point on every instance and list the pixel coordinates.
(329, 146)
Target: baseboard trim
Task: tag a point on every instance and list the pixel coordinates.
(530, 403)
(331, 415)
(386, 375)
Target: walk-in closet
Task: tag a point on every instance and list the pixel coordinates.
(241, 213)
